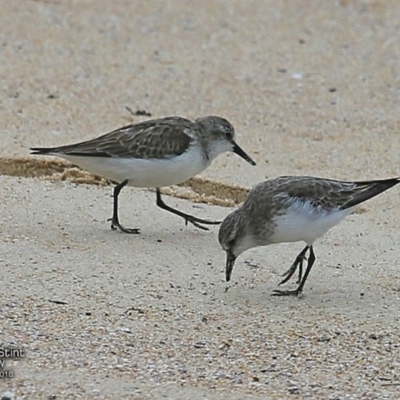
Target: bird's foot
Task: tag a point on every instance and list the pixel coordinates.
(197, 222)
(296, 292)
(116, 225)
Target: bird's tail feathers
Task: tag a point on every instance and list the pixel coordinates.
(368, 189)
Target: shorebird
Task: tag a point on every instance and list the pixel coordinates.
(292, 209)
(154, 153)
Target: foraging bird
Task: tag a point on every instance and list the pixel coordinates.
(292, 209)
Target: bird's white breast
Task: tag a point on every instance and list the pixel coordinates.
(305, 222)
(145, 172)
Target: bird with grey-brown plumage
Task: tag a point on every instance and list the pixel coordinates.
(292, 209)
(154, 153)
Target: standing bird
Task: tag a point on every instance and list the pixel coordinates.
(292, 209)
(154, 153)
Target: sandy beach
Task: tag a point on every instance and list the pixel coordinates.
(312, 88)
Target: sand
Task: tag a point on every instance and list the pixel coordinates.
(311, 88)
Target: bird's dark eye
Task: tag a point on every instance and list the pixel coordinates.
(229, 134)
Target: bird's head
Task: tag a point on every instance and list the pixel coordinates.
(234, 238)
(221, 136)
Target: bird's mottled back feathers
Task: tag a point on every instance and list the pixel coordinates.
(162, 138)
(326, 193)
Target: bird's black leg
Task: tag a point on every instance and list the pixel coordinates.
(300, 273)
(114, 220)
(188, 218)
(298, 262)
(298, 291)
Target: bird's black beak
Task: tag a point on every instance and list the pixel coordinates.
(230, 262)
(240, 152)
